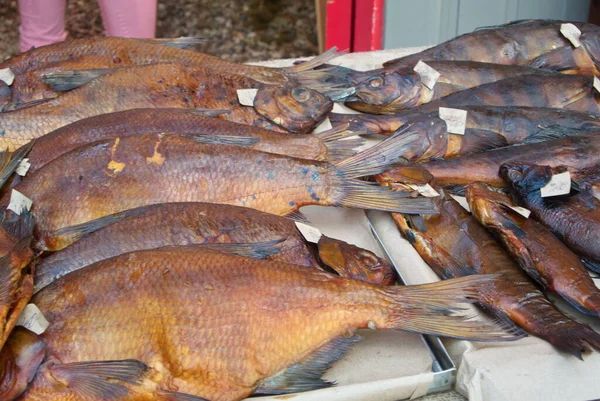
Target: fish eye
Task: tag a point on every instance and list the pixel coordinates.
(301, 95)
(376, 82)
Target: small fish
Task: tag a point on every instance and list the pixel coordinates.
(326, 146)
(114, 175)
(574, 218)
(193, 321)
(393, 90)
(168, 86)
(535, 43)
(454, 244)
(540, 254)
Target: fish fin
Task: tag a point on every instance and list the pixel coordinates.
(67, 80)
(306, 375)
(223, 139)
(550, 132)
(98, 380)
(559, 59)
(296, 215)
(591, 265)
(177, 43)
(572, 337)
(81, 230)
(593, 300)
(436, 308)
(456, 189)
(378, 158)
(315, 61)
(339, 142)
(492, 140)
(367, 124)
(10, 161)
(170, 396)
(18, 226)
(507, 24)
(208, 112)
(258, 250)
(367, 195)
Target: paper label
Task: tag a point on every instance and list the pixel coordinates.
(340, 108)
(462, 201)
(456, 120)
(522, 211)
(597, 84)
(23, 167)
(560, 184)
(19, 202)
(246, 96)
(310, 233)
(33, 320)
(425, 190)
(572, 33)
(428, 75)
(7, 76)
(324, 126)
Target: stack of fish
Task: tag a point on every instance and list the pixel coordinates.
(152, 199)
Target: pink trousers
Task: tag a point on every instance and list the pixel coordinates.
(43, 21)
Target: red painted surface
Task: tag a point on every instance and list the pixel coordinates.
(338, 29)
(368, 25)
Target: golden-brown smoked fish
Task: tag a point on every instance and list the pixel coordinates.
(124, 173)
(537, 43)
(20, 358)
(222, 326)
(168, 86)
(541, 255)
(454, 244)
(324, 147)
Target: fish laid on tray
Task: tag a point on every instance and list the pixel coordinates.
(168, 86)
(576, 152)
(392, 90)
(114, 175)
(510, 123)
(326, 146)
(454, 244)
(574, 218)
(536, 43)
(223, 326)
(112, 52)
(175, 224)
(541, 255)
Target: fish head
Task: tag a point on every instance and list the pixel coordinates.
(524, 178)
(20, 359)
(486, 202)
(433, 134)
(297, 110)
(590, 41)
(388, 92)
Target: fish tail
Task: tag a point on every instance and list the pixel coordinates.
(340, 142)
(439, 309)
(367, 124)
(572, 337)
(321, 79)
(315, 61)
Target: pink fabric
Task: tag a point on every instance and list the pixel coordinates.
(42, 22)
(129, 18)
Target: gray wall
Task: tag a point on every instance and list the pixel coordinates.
(429, 22)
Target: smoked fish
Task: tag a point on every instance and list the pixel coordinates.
(535, 43)
(113, 52)
(540, 254)
(175, 224)
(575, 152)
(513, 123)
(114, 175)
(392, 90)
(323, 147)
(222, 327)
(574, 218)
(168, 86)
(454, 244)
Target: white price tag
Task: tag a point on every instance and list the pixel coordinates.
(597, 84)
(246, 96)
(23, 167)
(462, 201)
(33, 320)
(522, 211)
(324, 126)
(428, 75)
(7, 76)
(456, 119)
(559, 184)
(340, 108)
(572, 33)
(310, 233)
(425, 190)
(19, 202)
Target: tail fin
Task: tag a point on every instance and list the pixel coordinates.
(315, 61)
(381, 156)
(325, 79)
(439, 309)
(339, 142)
(67, 80)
